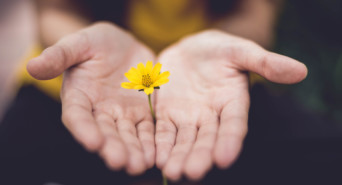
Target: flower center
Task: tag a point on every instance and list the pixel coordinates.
(146, 80)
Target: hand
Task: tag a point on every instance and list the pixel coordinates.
(202, 112)
(101, 115)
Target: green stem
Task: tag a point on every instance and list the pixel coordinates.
(151, 108)
(164, 180)
(154, 121)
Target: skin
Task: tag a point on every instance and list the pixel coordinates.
(202, 112)
(102, 116)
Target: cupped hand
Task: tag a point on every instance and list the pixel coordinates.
(202, 112)
(104, 117)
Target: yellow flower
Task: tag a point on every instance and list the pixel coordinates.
(146, 78)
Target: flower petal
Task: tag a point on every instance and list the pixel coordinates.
(149, 66)
(160, 82)
(139, 86)
(133, 78)
(163, 75)
(149, 90)
(141, 68)
(134, 71)
(127, 85)
(156, 71)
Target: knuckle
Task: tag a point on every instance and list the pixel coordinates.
(63, 54)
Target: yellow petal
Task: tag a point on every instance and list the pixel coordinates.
(156, 71)
(134, 71)
(149, 90)
(127, 85)
(149, 66)
(139, 86)
(141, 68)
(160, 82)
(133, 78)
(163, 75)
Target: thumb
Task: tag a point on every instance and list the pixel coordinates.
(274, 67)
(53, 61)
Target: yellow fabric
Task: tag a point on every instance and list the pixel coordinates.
(157, 23)
(49, 87)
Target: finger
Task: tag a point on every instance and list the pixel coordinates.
(54, 60)
(231, 133)
(186, 137)
(113, 151)
(200, 159)
(272, 66)
(146, 136)
(165, 139)
(136, 160)
(78, 119)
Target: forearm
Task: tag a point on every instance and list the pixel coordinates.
(57, 19)
(254, 20)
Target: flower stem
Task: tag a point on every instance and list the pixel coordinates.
(154, 121)
(151, 108)
(164, 180)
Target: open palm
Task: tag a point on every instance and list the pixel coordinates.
(101, 115)
(202, 113)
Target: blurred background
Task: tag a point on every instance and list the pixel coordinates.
(295, 131)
